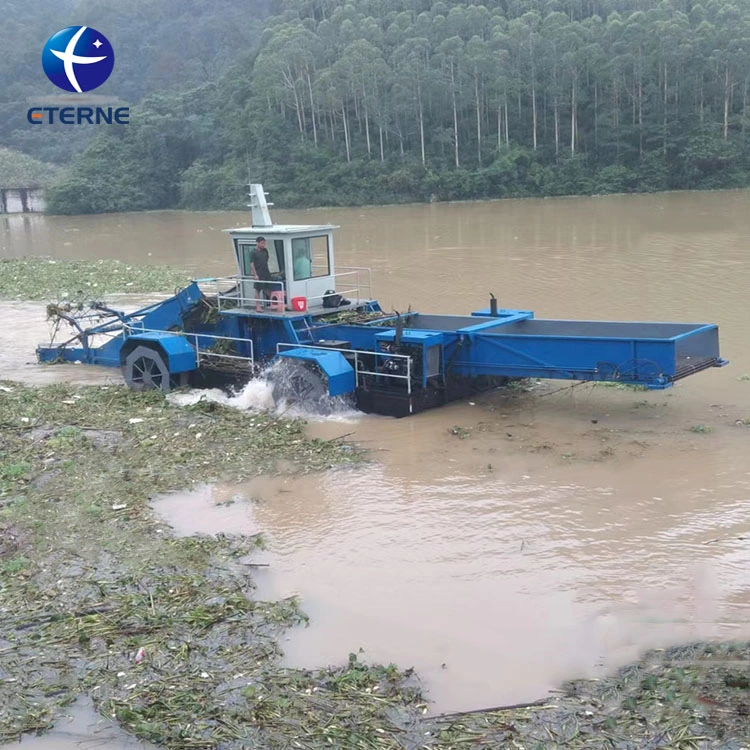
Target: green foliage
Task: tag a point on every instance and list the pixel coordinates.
(160, 45)
(373, 102)
(615, 179)
(137, 166)
(14, 566)
(203, 186)
(709, 161)
(14, 471)
(18, 170)
(653, 173)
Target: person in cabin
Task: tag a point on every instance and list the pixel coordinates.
(261, 272)
(302, 264)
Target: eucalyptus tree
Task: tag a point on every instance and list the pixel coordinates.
(411, 69)
(451, 55)
(480, 62)
(525, 33)
(731, 56)
(553, 33)
(502, 81)
(596, 71)
(284, 72)
(670, 37)
(367, 73)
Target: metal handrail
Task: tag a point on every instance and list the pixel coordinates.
(198, 350)
(357, 352)
(358, 270)
(237, 297)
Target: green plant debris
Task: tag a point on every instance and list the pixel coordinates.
(166, 634)
(460, 432)
(701, 429)
(41, 278)
(619, 386)
(14, 566)
(521, 385)
(687, 697)
(744, 377)
(359, 317)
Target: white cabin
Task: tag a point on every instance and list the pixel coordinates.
(300, 258)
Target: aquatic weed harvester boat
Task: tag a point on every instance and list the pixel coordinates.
(315, 332)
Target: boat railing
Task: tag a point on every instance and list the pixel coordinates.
(351, 283)
(362, 280)
(359, 367)
(208, 353)
(227, 287)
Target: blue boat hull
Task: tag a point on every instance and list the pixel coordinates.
(395, 364)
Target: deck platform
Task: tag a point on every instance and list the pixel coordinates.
(317, 311)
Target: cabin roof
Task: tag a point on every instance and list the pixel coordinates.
(283, 229)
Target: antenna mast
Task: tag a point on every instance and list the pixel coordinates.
(259, 206)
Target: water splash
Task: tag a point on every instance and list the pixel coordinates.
(257, 395)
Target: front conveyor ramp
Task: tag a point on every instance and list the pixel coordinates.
(650, 354)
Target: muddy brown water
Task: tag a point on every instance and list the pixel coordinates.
(557, 534)
(80, 727)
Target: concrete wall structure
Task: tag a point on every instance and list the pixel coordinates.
(21, 200)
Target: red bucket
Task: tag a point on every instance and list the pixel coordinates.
(299, 304)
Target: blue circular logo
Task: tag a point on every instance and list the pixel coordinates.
(78, 59)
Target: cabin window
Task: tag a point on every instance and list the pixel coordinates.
(279, 247)
(275, 256)
(311, 257)
(244, 252)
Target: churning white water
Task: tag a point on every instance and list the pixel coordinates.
(257, 395)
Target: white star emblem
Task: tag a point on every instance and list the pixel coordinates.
(70, 58)
(97, 43)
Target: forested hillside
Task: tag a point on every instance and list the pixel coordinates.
(381, 100)
(159, 45)
(22, 170)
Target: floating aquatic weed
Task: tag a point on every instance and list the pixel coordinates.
(42, 278)
(89, 583)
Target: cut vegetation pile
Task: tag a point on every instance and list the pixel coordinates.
(166, 635)
(90, 577)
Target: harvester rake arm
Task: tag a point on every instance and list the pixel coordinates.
(70, 319)
(110, 311)
(106, 327)
(125, 318)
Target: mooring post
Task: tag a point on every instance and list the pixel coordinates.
(493, 305)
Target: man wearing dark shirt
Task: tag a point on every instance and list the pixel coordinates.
(259, 266)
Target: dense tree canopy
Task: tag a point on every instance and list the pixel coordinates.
(159, 45)
(21, 170)
(375, 100)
